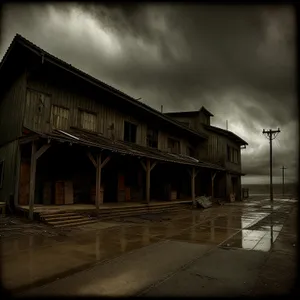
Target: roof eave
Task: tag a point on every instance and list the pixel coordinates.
(59, 63)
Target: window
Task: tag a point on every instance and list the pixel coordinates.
(130, 132)
(59, 117)
(228, 153)
(1, 173)
(235, 156)
(173, 145)
(191, 152)
(152, 138)
(232, 155)
(88, 121)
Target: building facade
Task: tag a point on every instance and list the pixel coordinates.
(66, 137)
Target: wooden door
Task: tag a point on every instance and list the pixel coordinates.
(59, 192)
(24, 183)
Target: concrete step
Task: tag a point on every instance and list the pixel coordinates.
(62, 217)
(78, 223)
(60, 213)
(74, 221)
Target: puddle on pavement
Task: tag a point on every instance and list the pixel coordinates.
(252, 240)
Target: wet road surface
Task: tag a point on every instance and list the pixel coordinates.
(224, 250)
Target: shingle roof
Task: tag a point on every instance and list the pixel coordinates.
(54, 60)
(77, 136)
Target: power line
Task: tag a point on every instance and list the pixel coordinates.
(271, 135)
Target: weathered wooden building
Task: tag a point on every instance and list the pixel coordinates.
(66, 137)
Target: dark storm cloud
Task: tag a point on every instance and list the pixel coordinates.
(237, 61)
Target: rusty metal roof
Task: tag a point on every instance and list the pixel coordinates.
(77, 136)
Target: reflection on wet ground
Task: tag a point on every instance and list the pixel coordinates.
(35, 259)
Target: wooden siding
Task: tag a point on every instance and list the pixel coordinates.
(109, 122)
(12, 102)
(37, 110)
(9, 154)
(60, 117)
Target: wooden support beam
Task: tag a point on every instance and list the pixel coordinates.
(32, 180)
(42, 150)
(212, 183)
(107, 159)
(143, 165)
(98, 181)
(90, 156)
(148, 170)
(153, 165)
(193, 175)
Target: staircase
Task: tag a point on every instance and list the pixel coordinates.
(107, 214)
(65, 219)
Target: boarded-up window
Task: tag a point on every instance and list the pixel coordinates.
(59, 117)
(152, 138)
(173, 145)
(88, 121)
(129, 132)
(1, 173)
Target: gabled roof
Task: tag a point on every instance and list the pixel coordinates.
(226, 133)
(83, 138)
(189, 113)
(19, 40)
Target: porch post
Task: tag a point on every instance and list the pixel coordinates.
(98, 181)
(193, 184)
(35, 154)
(148, 168)
(32, 180)
(212, 183)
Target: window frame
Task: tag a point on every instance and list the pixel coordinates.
(81, 123)
(52, 116)
(150, 141)
(173, 149)
(131, 125)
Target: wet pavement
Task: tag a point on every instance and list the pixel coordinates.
(224, 250)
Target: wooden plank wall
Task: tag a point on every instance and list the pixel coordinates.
(106, 116)
(8, 153)
(11, 110)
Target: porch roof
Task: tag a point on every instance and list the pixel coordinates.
(76, 136)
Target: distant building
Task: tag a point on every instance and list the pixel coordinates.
(66, 137)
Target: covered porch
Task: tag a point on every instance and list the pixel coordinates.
(82, 171)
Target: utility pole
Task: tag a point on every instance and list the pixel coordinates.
(271, 135)
(283, 168)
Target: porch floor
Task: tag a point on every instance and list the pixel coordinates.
(104, 206)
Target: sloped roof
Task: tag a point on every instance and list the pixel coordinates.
(76, 136)
(189, 113)
(20, 40)
(227, 133)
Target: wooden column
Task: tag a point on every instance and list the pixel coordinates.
(34, 157)
(212, 183)
(32, 180)
(98, 181)
(193, 174)
(98, 164)
(148, 168)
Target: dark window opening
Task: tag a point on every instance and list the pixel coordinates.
(173, 145)
(129, 132)
(1, 173)
(191, 152)
(232, 155)
(152, 138)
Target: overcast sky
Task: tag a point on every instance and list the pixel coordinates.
(237, 61)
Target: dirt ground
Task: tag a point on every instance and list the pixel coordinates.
(243, 248)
